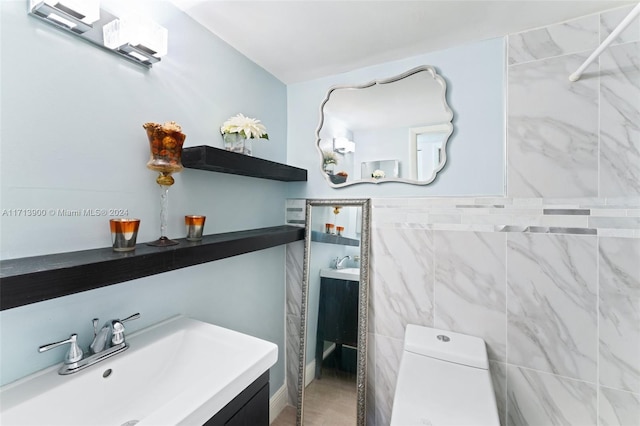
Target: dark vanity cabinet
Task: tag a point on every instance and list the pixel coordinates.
(337, 317)
(249, 408)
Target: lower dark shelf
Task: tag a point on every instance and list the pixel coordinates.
(34, 279)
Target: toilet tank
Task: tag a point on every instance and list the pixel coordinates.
(443, 380)
(446, 346)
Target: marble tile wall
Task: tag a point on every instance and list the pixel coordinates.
(558, 306)
(584, 134)
(294, 259)
(549, 275)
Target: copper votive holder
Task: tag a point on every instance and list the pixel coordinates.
(195, 227)
(124, 232)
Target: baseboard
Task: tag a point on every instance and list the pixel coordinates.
(277, 403)
(309, 373)
(310, 370)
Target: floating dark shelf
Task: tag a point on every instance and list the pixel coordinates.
(34, 279)
(219, 160)
(323, 237)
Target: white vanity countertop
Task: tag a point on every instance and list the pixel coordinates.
(351, 274)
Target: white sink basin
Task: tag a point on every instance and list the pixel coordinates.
(178, 372)
(351, 274)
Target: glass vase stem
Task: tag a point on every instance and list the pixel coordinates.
(164, 209)
(163, 241)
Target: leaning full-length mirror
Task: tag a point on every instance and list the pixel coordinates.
(385, 130)
(333, 330)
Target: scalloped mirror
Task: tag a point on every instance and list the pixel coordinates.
(391, 130)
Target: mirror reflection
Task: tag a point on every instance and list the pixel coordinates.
(385, 130)
(334, 312)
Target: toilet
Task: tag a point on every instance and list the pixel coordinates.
(443, 379)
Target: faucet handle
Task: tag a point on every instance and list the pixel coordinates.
(118, 329)
(73, 355)
(131, 317)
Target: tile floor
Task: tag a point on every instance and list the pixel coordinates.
(329, 401)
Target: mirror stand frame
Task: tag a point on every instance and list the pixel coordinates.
(363, 303)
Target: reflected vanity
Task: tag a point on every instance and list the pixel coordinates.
(391, 130)
(333, 329)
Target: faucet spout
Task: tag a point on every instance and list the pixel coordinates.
(340, 262)
(99, 340)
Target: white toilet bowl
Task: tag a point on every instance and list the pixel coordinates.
(443, 379)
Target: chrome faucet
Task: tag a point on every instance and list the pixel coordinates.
(339, 263)
(107, 342)
(111, 334)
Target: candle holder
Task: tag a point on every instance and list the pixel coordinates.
(165, 142)
(195, 226)
(124, 233)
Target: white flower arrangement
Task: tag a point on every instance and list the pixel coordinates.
(249, 128)
(329, 157)
(378, 174)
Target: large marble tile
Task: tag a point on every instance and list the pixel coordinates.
(620, 120)
(609, 20)
(388, 352)
(618, 408)
(401, 289)
(537, 399)
(552, 130)
(619, 270)
(370, 399)
(294, 259)
(499, 380)
(292, 357)
(551, 304)
(470, 286)
(554, 40)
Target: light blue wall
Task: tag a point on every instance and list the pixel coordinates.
(72, 138)
(475, 78)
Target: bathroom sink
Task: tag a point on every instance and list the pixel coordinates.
(178, 372)
(351, 274)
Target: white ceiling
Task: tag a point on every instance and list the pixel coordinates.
(300, 40)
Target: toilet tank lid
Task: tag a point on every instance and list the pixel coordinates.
(446, 345)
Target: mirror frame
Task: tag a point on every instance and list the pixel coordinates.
(448, 124)
(363, 302)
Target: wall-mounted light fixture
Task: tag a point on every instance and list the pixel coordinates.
(74, 15)
(138, 37)
(343, 145)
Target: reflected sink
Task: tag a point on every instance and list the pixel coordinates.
(351, 274)
(178, 372)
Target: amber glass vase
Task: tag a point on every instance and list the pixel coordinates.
(165, 143)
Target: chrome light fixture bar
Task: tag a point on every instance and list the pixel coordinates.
(143, 43)
(139, 38)
(138, 53)
(75, 16)
(343, 145)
